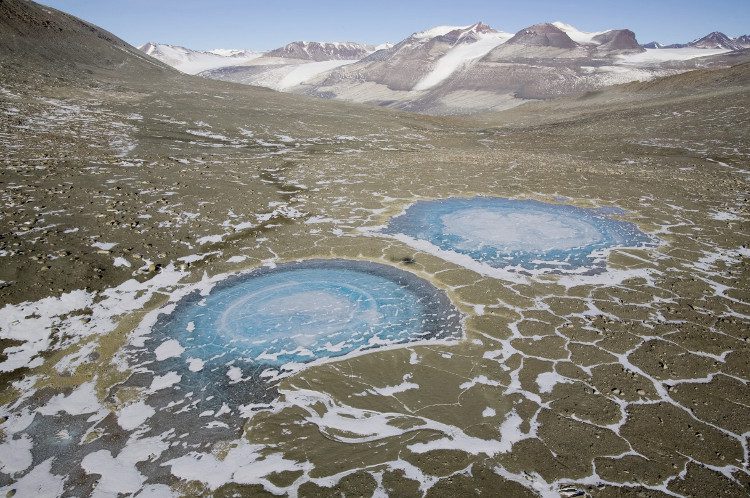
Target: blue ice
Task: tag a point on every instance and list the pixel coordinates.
(521, 234)
(301, 312)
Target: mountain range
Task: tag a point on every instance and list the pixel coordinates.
(715, 40)
(455, 69)
(195, 61)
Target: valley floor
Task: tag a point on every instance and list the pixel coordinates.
(119, 199)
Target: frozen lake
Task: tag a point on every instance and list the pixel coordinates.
(521, 234)
(300, 312)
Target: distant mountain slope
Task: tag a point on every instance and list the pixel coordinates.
(274, 72)
(577, 35)
(194, 61)
(322, 51)
(456, 69)
(543, 35)
(541, 61)
(715, 40)
(43, 49)
(424, 59)
(409, 62)
(279, 69)
(471, 45)
(731, 82)
(617, 40)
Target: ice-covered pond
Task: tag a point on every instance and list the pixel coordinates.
(520, 234)
(225, 345)
(300, 312)
(212, 359)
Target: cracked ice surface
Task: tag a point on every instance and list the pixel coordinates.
(224, 346)
(520, 234)
(300, 312)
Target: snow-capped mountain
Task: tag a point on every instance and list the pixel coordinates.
(278, 69)
(543, 35)
(476, 66)
(194, 61)
(422, 60)
(450, 69)
(714, 40)
(322, 51)
(742, 42)
(458, 69)
(612, 40)
(577, 35)
(470, 44)
(293, 64)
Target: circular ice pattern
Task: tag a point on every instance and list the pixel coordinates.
(220, 354)
(514, 232)
(300, 312)
(525, 234)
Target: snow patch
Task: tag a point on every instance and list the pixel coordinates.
(576, 35)
(459, 56)
(306, 72)
(168, 349)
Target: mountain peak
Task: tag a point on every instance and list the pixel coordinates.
(742, 41)
(148, 47)
(714, 40)
(543, 35)
(617, 40)
(653, 44)
(436, 31)
(480, 27)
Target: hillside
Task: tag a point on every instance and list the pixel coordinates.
(36, 36)
(732, 83)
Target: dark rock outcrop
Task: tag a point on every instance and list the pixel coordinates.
(542, 35)
(618, 40)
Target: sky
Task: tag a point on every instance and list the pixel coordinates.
(264, 25)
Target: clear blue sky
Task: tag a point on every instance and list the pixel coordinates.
(263, 25)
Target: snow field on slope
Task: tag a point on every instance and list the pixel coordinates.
(575, 34)
(459, 56)
(653, 55)
(306, 72)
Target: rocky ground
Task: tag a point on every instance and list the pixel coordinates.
(119, 197)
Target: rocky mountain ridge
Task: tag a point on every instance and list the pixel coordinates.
(458, 69)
